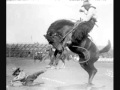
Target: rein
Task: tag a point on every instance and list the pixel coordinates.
(87, 52)
(73, 29)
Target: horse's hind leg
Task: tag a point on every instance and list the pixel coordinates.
(91, 70)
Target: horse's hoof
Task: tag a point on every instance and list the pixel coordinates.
(57, 68)
(52, 67)
(90, 84)
(48, 66)
(62, 67)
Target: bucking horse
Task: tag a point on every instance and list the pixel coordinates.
(65, 33)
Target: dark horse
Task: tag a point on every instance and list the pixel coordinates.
(58, 36)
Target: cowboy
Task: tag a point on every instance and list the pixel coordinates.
(88, 12)
(83, 26)
(21, 78)
(18, 75)
(87, 21)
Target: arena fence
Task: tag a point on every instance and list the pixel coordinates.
(109, 60)
(24, 50)
(29, 50)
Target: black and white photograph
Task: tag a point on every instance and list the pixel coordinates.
(59, 45)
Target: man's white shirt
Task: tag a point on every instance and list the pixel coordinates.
(20, 76)
(87, 15)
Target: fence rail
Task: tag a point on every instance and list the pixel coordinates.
(28, 50)
(110, 60)
(24, 50)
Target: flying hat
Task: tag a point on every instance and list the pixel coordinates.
(86, 2)
(15, 69)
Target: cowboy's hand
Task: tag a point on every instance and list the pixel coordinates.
(81, 19)
(81, 10)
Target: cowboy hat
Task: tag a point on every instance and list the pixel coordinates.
(15, 69)
(86, 2)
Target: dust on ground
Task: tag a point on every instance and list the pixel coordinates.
(72, 77)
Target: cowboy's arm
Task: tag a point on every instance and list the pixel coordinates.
(82, 10)
(16, 79)
(90, 14)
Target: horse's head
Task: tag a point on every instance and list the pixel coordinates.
(57, 31)
(55, 41)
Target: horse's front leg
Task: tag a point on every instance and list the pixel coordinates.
(63, 57)
(58, 56)
(63, 65)
(52, 58)
(56, 61)
(53, 61)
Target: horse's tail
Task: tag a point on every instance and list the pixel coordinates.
(106, 48)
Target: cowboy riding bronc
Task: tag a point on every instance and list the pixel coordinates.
(78, 32)
(82, 26)
(86, 22)
(89, 14)
(89, 17)
(62, 31)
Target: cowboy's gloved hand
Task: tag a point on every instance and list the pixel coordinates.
(81, 20)
(81, 10)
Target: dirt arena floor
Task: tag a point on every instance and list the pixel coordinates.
(72, 77)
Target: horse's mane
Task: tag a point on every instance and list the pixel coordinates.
(57, 25)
